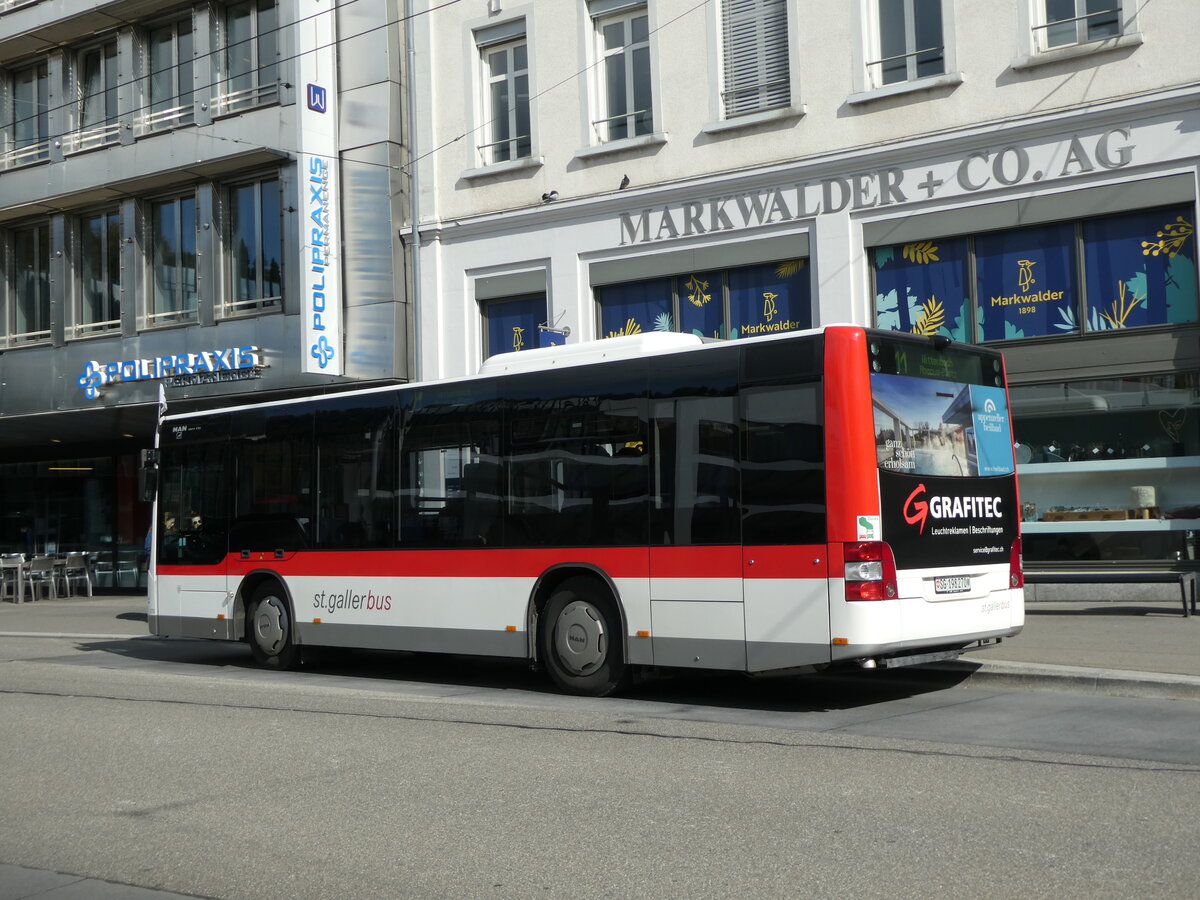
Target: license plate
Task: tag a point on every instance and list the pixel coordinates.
(952, 584)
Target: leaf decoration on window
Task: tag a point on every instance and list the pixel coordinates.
(1122, 307)
(631, 327)
(698, 293)
(790, 268)
(933, 317)
(1170, 240)
(1067, 314)
(922, 252)
(662, 322)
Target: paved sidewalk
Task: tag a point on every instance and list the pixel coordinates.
(19, 882)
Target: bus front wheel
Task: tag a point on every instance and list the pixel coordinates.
(580, 640)
(269, 629)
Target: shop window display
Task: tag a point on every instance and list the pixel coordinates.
(1109, 468)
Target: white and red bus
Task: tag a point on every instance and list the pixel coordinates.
(840, 496)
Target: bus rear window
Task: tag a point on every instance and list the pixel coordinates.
(939, 412)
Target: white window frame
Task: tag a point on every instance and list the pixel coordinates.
(1080, 25)
(876, 67)
(603, 13)
(768, 42)
(868, 70)
(495, 150)
(719, 122)
(1032, 23)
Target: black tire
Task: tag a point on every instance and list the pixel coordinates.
(580, 640)
(269, 629)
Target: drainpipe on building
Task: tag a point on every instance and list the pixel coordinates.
(413, 185)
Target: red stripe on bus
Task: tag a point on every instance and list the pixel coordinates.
(696, 562)
(617, 562)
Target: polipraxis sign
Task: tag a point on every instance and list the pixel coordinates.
(321, 348)
(215, 366)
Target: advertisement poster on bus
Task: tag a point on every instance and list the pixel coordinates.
(946, 470)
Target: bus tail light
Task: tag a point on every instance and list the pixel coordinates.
(870, 571)
(1016, 566)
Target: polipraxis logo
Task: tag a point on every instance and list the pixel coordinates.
(322, 351)
(179, 369)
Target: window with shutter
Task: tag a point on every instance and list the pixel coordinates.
(755, 43)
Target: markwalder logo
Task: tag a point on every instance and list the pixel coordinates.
(1035, 297)
(1025, 281)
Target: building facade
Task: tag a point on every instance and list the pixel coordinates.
(1020, 174)
(198, 201)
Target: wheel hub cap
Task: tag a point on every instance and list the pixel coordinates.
(270, 625)
(580, 639)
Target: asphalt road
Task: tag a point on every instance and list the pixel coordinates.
(174, 765)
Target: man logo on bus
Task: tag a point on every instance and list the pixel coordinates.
(919, 509)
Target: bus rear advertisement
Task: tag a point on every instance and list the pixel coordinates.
(834, 497)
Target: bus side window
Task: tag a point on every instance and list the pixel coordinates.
(696, 469)
(445, 501)
(783, 465)
(356, 474)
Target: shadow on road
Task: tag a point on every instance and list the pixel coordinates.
(782, 693)
(1108, 609)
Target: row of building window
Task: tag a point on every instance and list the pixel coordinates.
(1065, 278)
(906, 39)
(173, 73)
(720, 303)
(103, 248)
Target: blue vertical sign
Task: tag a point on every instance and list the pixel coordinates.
(318, 227)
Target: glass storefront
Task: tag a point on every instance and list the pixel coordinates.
(82, 503)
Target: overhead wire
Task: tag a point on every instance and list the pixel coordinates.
(388, 24)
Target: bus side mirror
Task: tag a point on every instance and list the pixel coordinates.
(148, 475)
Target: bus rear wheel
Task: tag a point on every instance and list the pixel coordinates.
(580, 640)
(269, 629)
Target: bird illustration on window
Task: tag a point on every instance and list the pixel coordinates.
(1025, 277)
(769, 308)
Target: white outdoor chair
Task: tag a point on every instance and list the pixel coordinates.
(127, 567)
(12, 578)
(39, 577)
(77, 569)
